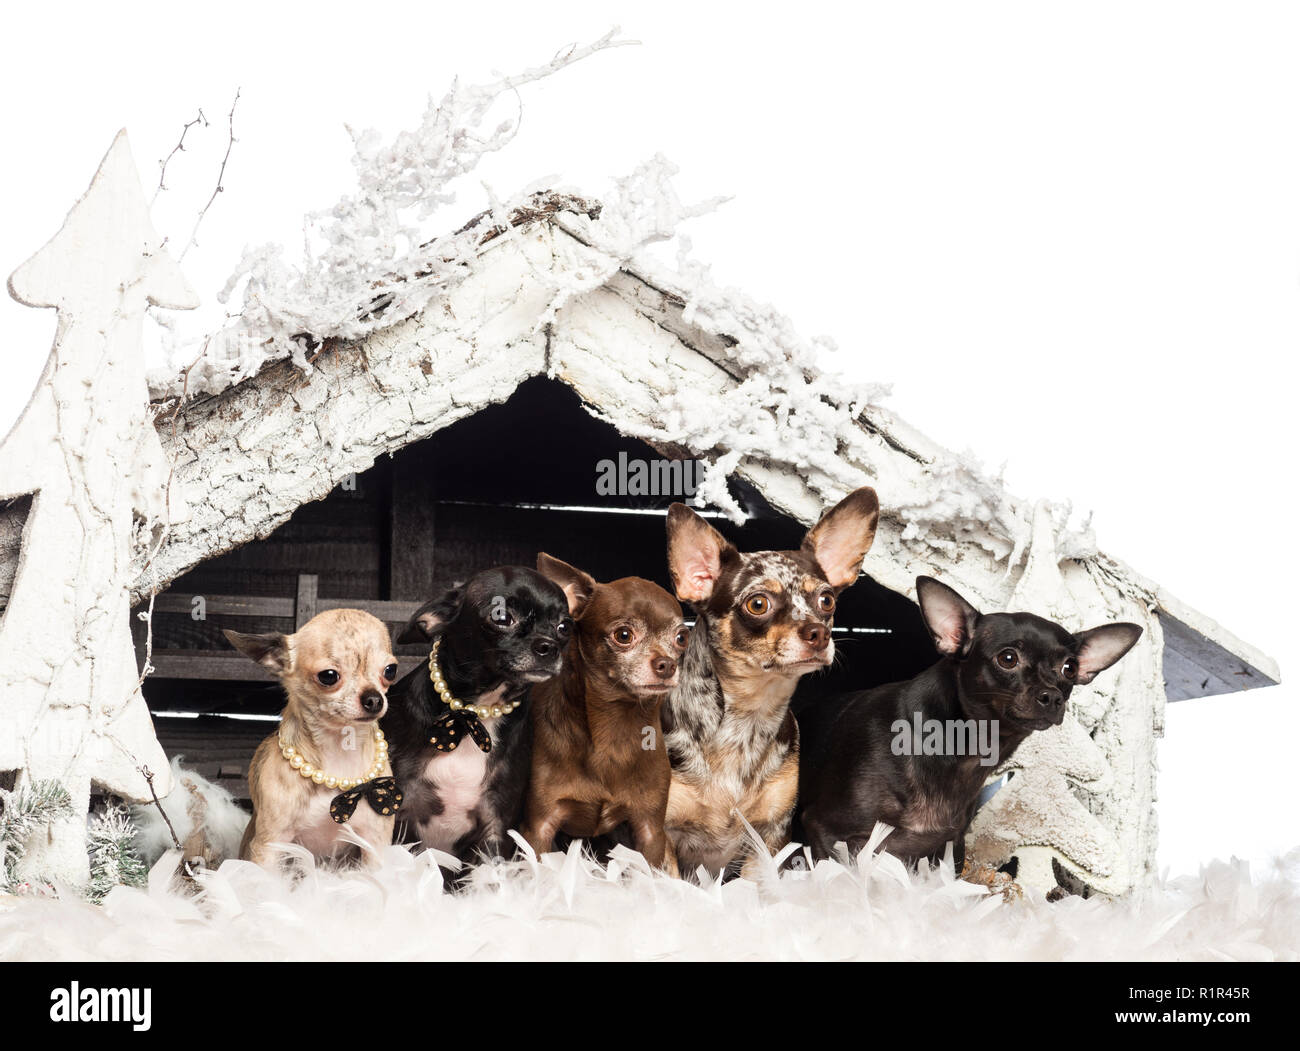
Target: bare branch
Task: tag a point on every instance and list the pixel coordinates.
(178, 148)
(147, 616)
(230, 142)
(148, 776)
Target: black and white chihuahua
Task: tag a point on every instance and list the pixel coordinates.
(903, 753)
(458, 726)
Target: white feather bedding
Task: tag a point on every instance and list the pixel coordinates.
(567, 907)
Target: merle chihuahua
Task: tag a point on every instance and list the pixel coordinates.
(763, 620)
(887, 754)
(458, 726)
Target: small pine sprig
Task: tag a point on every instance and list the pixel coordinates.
(114, 861)
(22, 812)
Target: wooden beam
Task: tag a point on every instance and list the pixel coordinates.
(1198, 666)
(395, 612)
(411, 524)
(392, 612)
(227, 605)
(227, 666)
(305, 607)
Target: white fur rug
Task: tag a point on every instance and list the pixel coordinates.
(566, 907)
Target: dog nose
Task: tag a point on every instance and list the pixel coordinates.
(814, 635)
(665, 667)
(545, 648)
(1051, 699)
(372, 702)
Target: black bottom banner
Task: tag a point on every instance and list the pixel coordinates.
(449, 1000)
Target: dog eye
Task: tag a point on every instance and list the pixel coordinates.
(328, 677)
(826, 602)
(682, 637)
(390, 672)
(563, 628)
(622, 636)
(501, 617)
(1070, 669)
(1008, 659)
(758, 605)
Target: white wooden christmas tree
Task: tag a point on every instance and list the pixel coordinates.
(85, 447)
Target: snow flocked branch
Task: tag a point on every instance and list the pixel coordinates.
(374, 260)
(374, 257)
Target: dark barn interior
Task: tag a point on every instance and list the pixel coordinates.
(495, 488)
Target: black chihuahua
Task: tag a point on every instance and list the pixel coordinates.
(458, 726)
(915, 754)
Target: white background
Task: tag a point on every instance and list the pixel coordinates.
(1069, 235)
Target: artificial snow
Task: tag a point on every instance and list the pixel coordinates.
(567, 907)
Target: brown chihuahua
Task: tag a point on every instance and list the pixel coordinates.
(763, 620)
(326, 768)
(599, 758)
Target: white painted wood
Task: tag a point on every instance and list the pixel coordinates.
(70, 704)
(252, 455)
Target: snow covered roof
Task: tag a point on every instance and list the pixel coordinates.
(559, 285)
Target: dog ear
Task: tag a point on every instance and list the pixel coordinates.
(432, 618)
(843, 536)
(950, 618)
(578, 587)
(1099, 648)
(273, 650)
(696, 552)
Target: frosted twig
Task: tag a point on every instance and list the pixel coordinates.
(147, 616)
(178, 148)
(566, 56)
(230, 142)
(148, 776)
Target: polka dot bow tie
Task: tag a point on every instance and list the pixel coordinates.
(382, 794)
(452, 727)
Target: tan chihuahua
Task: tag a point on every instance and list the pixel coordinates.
(327, 768)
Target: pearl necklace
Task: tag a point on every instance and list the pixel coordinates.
(483, 711)
(320, 777)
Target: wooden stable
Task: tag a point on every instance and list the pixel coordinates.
(495, 488)
(457, 419)
(375, 464)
